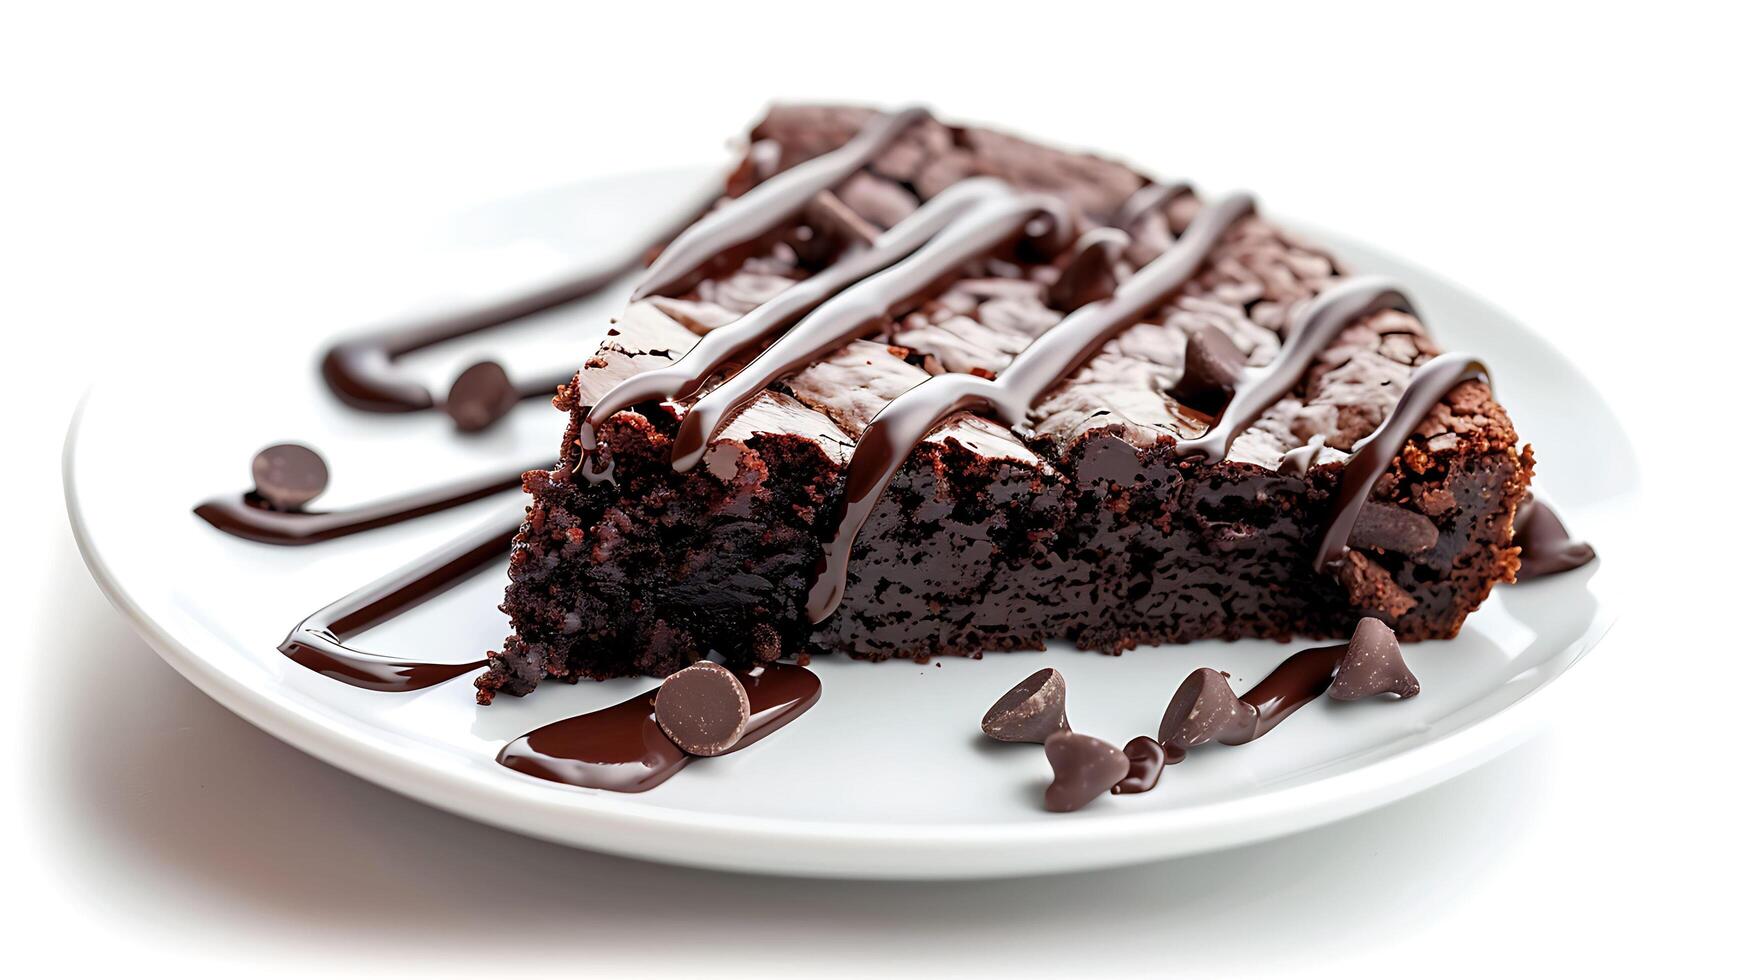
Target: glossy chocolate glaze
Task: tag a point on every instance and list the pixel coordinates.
(1314, 328)
(984, 228)
(904, 422)
(247, 515)
(622, 748)
(720, 347)
(1148, 758)
(1427, 387)
(319, 642)
(1297, 682)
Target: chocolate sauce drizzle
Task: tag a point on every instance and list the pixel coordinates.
(622, 748)
(1428, 386)
(985, 227)
(744, 219)
(1146, 200)
(247, 515)
(906, 420)
(1295, 683)
(360, 370)
(718, 348)
(1317, 324)
(319, 642)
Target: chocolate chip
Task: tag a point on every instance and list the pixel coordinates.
(1092, 274)
(1373, 665)
(481, 395)
(703, 708)
(1031, 711)
(1385, 527)
(289, 475)
(1212, 365)
(1205, 709)
(1147, 759)
(1083, 767)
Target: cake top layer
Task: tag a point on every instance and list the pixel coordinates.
(973, 317)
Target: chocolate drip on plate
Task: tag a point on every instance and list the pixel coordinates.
(767, 205)
(718, 348)
(1544, 546)
(905, 421)
(1205, 709)
(1297, 682)
(1427, 387)
(985, 227)
(1148, 759)
(247, 515)
(360, 369)
(319, 642)
(622, 748)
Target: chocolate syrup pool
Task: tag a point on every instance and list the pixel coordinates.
(621, 748)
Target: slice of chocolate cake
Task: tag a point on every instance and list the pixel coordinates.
(914, 390)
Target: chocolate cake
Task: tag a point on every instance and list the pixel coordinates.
(915, 390)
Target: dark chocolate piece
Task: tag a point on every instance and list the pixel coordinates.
(1373, 665)
(481, 395)
(1212, 365)
(1083, 769)
(1148, 759)
(703, 708)
(1031, 711)
(1091, 274)
(1387, 527)
(1544, 546)
(288, 475)
(1205, 709)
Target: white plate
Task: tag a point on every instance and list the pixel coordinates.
(886, 776)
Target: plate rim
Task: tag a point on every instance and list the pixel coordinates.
(626, 826)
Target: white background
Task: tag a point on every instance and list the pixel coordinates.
(187, 172)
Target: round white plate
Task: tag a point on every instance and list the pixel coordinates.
(886, 776)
